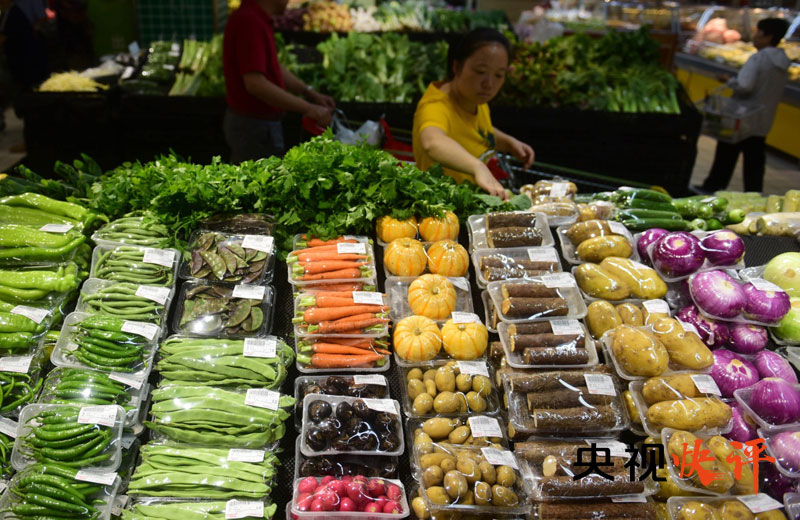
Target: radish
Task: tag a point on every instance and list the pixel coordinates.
(373, 508)
(307, 485)
(326, 479)
(376, 487)
(391, 507)
(318, 505)
(305, 503)
(394, 493)
(347, 505)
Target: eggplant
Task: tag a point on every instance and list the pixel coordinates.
(319, 410)
(344, 412)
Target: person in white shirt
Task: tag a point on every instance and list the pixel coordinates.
(759, 82)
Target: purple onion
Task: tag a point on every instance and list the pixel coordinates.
(723, 248)
(677, 254)
(647, 238)
(713, 333)
(766, 306)
(743, 429)
(785, 447)
(732, 372)
(776, 401)
(770, 364)
(747, 339)
(777, 484)
(718, 294)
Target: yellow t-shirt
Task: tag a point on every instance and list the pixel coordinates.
(472, 131)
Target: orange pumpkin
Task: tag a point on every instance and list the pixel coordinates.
(388, 228)
(448, 258)
(432, 296)
(417, 338)
(433, 229)
(464, 340)
(405, 257)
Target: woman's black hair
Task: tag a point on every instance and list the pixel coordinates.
(472, 41)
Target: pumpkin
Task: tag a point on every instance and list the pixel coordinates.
(464, 340)
(432, 296)
(405, 257)
(448, 258)
(417, 338)
(433, 229)
(388, 228)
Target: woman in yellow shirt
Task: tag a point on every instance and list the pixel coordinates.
(452, 125)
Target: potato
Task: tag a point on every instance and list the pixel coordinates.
(639, 353)
(633, 412)
(459, 435)
(685, 348)
(599, 283)
(597, 248)
(642, 281)
(503, 496)
(698, 511)
(414, 373)
(690, 414)
(601, 317)
(455, 484)
(483, 493)
(675, 446)
(668, 388)
(422, 404)
(434, 459)
(445, 380)
(734, 510)
(439, 427)
(430, 387)
(432, 476)
(630, 314)
(437, 495)
(414, 388)
(722, 449)
(446, 402)
(420, 508)
(668, 488)
(581, 231)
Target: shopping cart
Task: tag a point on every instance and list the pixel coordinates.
(399, 147)
(728, 119)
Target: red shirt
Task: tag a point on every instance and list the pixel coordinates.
(249, 46)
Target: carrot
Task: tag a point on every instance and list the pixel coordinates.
(316, 242)
(335, 287)
(353, 272)
(340, 361)
(318, 257)
(333, 294)
(325, 267)
(329, 344)
(333, 248)
(328, 327)
(357, 317)
(353, 342)
(331, 348)
(327, 300)
(316, 314)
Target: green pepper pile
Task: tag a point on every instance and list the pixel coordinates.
(35, 210)
(35, 285)
(18, 389)
(17, 332)
(120, 300)
(6, 446)
(57, 436)
(126, 264)
(167, 471)
(180, 510)
(221, 362)
(102, 345)
(139, 230)
(25, 244)
(83, 387)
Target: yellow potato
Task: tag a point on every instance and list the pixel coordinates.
(685, 348)
(600, 283)
(601, 317)
(630, 314)
(633, 412)
(682, 444)
(581, 231)
(642, 281)
(690, 414)
(722, 450)
(639, 353)
(597, 248)
(668, 388)
(698, 511)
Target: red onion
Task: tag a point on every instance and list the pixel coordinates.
(777, 484)
(732, 372)
(713, 333)
(776, 401)
(677, 254)
(718, 294)
(647, 238)
(743, 429)
(748, 339)
(723, 248)
(770, 364)
(766, 306)
(785, 447)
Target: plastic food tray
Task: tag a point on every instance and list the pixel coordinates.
(299, 459)
(351, 515)
(476, 225)
(488, 312)
(93, 285)
(100, 249)
(492, 404)
(557, 220)
(652, 430)
(267, 308)
(672, 368)
(742, 397)
(792, 354)
(300, 333)
(685, 483)
(21, 457)
(427, 270)
(577, 307)
(441, 356)
(522, 253)
(791, 501)
(570, 251)
(302, 381)
(676, 297)
(38, 362)
(334, 400)
(61, 353)
(768, 443)
(360, 238)
(370, 253)
(738, 319)
(306, 369)
(397, 296)
(265, 275)
(674, 504)
(515, 360)
(589, 299)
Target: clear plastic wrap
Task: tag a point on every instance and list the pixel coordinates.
(449, 389)
(306, 363)
(437, 433)
(742, 397)
(617, 242)
(20, 381)
(366, 494)
(638, 508)
(97, 428)
(43, 287)
(490, 313)
(512, 229)
(224, 310)
(619, 280)
(134, 264)
(772, 440)
(431, 295)
(136, 230)
(193, 508)
(702, 250)
(334, 425)
(353, 315)
(130, 455)
(234, 258)
(708, 287)
(370, 386)
(418, 340)
(125, 300)
(541, 298)
(567, 403)
(558, 213)
(791, 501)
(343, 465)
(584, 230)
(739, 508)
(550, 190)
(603, 316)
(308, 267)
(409, 257)
(548, 344)
(26, 245)
(492, 265)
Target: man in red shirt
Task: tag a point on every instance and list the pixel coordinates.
(259, 89)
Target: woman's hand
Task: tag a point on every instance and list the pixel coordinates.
(522, 152)
(485, 179)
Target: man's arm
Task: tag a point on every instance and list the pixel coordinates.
(745, 80)
(296, 85)
(258, 86)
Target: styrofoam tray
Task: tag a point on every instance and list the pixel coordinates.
(514, 359)
(521, 253)
(577, 307)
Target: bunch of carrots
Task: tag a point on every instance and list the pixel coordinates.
(320, 260)
(337, 313)
(334, 352)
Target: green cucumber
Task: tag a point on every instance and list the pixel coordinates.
(638, 203)
(641, 193)
(634, 213)
(713, 224)
(664, 223)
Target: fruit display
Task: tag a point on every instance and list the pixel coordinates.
(356, 495)
(327, 16)
(447, 390)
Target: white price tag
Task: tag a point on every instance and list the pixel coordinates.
(162, 257)
(542, 254)
(262, 398)
(688, 327)
(367, 298)
(566, 327)
(351, 248)
(242, 455)
(263, 243)
(763, 285)
(705, 384)
(473, 368)
(104, 415)
(127, 379)
(260, 347)
(618, 228)
(369, 379)
(153, 293)
(656, 307)
(600, 384)
(127, 441)
(8, 427)
(32, 313)
(381, 405)
(249, 292)
(760, 503)
(120, 503)
(497, 457)
(465, 317)
(483, 426)
(634, 499)
(244, 509)
(615, 448)
(174, 54)
(146, 330)
(559, 189)
(555, 280)
(17, 364)
(56, 228)
(95, 477)
(460, 283)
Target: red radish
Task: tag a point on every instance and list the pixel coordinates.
(381, 501)
(329, 498)
(347, 478)
(305, 503)
(337, 486)
(373, 508)
(294, 516)
(326, 479)
(347, 505)
(360, 478)
(394, 493)
(307, 485)
(392, 507)
(376, 487)
(356, 491)
(318, 505)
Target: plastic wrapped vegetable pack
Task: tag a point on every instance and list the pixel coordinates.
(450, 391)
(35, 285)
(134, 264)
(512, 229)
(220, 257)
(553, 343)
(21, 245)
(101, 344)
(128, 301)
(220, 310)
(492, 265)
(616, 279)
(207, 510)
(134, 229)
